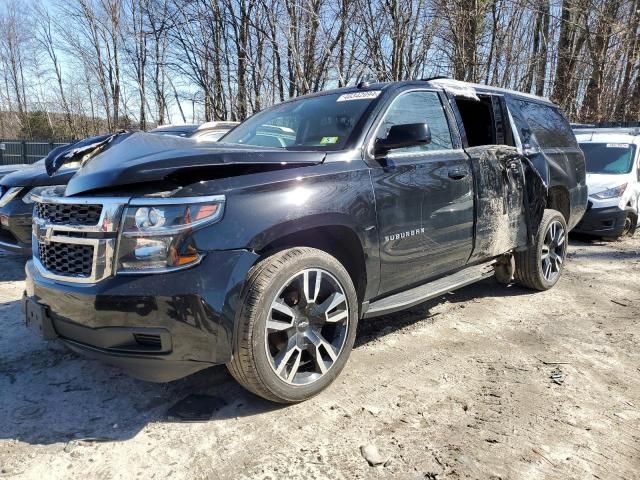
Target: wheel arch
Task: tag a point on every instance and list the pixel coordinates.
(338, 240)
(559, 199)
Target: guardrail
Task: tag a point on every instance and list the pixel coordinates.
(13, 152)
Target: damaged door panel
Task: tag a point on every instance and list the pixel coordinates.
(510, 199)
(499, 183)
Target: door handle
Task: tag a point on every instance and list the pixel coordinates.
(458, 173)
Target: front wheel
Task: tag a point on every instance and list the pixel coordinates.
(628, 229)
(296, 327)
(630, 224)
(540, 266)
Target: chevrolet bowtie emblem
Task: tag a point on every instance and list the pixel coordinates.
(48, 234)
(43, 234)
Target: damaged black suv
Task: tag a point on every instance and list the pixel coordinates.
(166, 256)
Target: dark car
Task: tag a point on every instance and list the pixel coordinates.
(7, 169)
(166, 256)
(16, 203)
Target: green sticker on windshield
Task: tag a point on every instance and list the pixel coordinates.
(329, 140)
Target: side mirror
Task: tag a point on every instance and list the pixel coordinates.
(403, 136)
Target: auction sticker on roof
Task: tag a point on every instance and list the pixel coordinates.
(617, 145)
(358, 96)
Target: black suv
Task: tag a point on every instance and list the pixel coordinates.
(166, 257)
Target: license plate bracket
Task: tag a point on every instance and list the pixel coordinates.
(38, 320)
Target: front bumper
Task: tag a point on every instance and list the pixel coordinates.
(606, 221)
(156, 327)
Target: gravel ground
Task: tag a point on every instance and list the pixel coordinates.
(488, 382)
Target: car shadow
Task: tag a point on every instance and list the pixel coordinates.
(370, 329)
(54, 396)
(12, 267)
(586, 241)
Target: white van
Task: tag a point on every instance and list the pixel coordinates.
(613, 178)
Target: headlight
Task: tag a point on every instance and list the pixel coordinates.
(50, 190)
(9, 195)
(155, 232)
(611, 192)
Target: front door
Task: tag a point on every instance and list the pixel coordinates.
(424, 198)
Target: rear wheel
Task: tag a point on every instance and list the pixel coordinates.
(296, 327)
(540, 266)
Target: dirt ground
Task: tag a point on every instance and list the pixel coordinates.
(460, 387)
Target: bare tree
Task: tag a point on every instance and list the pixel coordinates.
(117, 63)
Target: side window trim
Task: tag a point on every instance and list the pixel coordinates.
(518, 124)
(452, 120)
(506, 125)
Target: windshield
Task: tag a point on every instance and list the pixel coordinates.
(608, 158)
(317, 123)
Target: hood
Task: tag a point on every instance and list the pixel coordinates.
(36, 176)
(597, 182)
(6, 169)
(144, 157)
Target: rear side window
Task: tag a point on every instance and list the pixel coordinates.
(548, 125)
(485, 121)
(419, 107)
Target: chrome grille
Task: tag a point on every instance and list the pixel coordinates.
(74, 238)
(68, 214)
(66, 259)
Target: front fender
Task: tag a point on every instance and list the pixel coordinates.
(337, 194)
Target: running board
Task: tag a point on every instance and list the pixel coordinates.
(417, 295)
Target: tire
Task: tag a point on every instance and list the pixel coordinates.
(630, 224)
(540, 266)
(634, 224)
(311, 331)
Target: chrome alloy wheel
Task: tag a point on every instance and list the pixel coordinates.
(307, 326)
(554, 250)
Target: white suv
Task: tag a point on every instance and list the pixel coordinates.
(613, 178)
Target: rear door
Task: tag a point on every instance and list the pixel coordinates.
(424, 196)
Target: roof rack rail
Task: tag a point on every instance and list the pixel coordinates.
(619, 130)
(437, 77)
